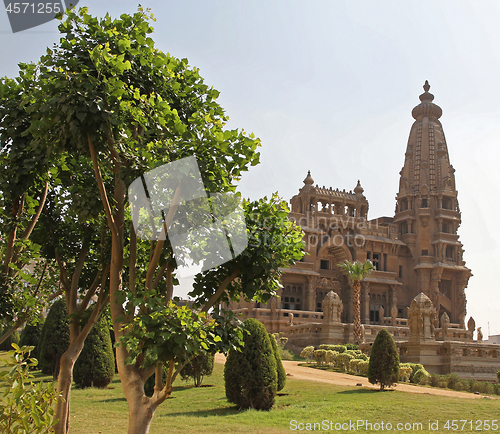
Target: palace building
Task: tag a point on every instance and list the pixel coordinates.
(417, 250)
(417, 291)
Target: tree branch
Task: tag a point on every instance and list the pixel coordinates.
(220, 290)
(102, 188)
(16, 325)
(41, 204)
(153, 263)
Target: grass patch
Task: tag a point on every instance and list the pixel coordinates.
(205, 410)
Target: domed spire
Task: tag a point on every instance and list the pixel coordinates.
(358, 189)
(308, 180)
(426, 107)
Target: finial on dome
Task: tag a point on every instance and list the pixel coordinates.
(358, 189)
(426, 106)
(308, 180)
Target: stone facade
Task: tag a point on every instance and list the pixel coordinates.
(417, 254)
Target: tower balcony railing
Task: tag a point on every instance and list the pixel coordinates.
(403, 215)
(444, 237)
(447, 214)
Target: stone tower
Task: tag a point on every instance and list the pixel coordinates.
(428, 216)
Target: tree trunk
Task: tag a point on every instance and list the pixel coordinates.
(64, 381)
(356, 312)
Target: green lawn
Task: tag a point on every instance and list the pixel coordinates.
(205, 410)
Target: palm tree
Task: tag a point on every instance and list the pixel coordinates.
(356, 271)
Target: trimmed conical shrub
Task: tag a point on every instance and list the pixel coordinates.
(384, 361)
(31, 336)
(95, 366)
(250, 374)
(279, 364)
(54, 339)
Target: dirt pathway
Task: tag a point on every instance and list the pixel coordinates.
(297, 372)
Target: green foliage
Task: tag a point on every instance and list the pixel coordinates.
(250, 375)
(25, 406)
(498, 376)
(54, 339)
(356, 271)
(423, 377)
(280, 370)
(307, 353)
(384, 361)
(274, 242)
(201, 366)
(338, 348)
(12, 339)
(95, 366)
(174, 332)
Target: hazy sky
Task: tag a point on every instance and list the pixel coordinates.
(329, 87)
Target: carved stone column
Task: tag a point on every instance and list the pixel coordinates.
(434, 286)
(461, 301)
(311, 293)
(365, 303)
(393, 298)
(423, 280)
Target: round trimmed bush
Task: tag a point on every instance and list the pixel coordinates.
(54, 339)
(384, 361)
(320, 356)
(452, 380)
(201, 366)
(6, 345)
(95, 366)
(307, 352)
(250, 375)
(423, 377)
(280, 370)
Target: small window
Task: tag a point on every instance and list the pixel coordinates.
(375, 261)
(292, 299)
(400, 271)
(287, 299)
(424, 203)
(324, 264)
(425, 252)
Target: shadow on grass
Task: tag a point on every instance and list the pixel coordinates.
(363, 391)
(113, 400)
(222, 411)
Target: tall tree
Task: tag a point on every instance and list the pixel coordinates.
(25, 173)
(356, 272)
(108, 96)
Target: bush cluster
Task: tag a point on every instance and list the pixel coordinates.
(339, 356)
